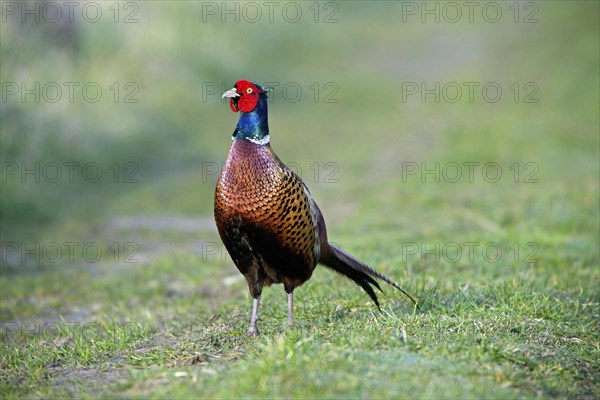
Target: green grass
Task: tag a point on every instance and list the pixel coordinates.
(163, 312)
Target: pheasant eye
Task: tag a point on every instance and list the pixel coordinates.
(249, 90)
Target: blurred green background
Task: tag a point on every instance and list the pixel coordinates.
(159, 131)
(173, 57)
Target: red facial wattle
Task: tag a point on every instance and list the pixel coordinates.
(248, 101)
(248, 97)
(233, 104)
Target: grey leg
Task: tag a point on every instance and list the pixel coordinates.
(253, 330)
(291, 308)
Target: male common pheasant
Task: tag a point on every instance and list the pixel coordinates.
(266, 217)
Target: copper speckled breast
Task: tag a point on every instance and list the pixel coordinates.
(264, 216)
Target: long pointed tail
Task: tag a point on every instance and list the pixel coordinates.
(359, 272)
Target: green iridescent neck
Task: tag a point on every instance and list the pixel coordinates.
(254, 125)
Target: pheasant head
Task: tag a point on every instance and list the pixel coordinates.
(250, 100)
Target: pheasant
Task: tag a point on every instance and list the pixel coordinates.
(267, 218)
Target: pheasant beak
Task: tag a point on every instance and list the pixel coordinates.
(231, 93)
(233, 98)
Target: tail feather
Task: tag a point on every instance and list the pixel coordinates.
(359, 272)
